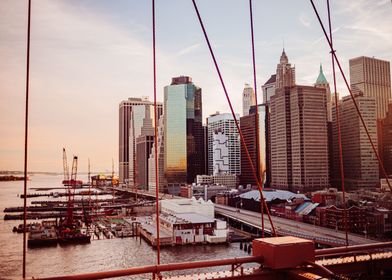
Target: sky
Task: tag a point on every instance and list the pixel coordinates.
(89, 55)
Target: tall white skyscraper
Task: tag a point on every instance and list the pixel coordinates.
(248, 99)
(225, 124)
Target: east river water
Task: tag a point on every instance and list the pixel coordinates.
(100, 255)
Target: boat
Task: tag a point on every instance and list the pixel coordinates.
(73, 236)
(42, 235)
(19, 228)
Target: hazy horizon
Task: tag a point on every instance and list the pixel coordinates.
(87, 56)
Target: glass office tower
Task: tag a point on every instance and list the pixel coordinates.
(184, 143)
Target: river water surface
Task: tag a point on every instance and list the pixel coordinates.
(100, 255)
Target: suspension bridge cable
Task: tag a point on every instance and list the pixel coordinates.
(338, 125)
(26, 140)
(232, 112)
(155, 135)
(351, 94)
(259, 164)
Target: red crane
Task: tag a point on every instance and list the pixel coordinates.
(71, 191)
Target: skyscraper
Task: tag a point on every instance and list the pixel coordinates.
(131, 115)
(322, 82)
(269, 89)
(143, 149)
(258, 157)
(280, 125)
(385, 135)
(220, 157)
(248, 99)
(285, 74)
(373, 77)
(359, 161)
(151, 161)
(299, 142)
(309, 138)
(280, 135)
(183, 132)
(224, 123)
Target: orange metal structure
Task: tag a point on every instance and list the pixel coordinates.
(284, 252)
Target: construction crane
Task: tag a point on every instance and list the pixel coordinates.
(89, 185)
(71, 191)
(65, 167)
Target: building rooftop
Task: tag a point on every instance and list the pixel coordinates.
(195, 218)
(271, 80)
(270, 195)
(321, 80)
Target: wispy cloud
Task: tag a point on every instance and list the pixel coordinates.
(189, 49)
(323, 37)
(304, 20)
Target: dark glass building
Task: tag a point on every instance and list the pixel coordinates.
(184, 135)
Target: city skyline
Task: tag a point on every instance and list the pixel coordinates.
(88, 57)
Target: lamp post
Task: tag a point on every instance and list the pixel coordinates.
(236, 205)
(366, 230)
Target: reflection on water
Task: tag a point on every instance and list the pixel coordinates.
(100, 255)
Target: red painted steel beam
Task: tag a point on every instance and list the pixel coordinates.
(26, 140)
(352, 249)
(156, 269)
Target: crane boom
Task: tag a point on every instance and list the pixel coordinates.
(65, 167)
(71, 192)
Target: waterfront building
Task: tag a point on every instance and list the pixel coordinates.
(131, 115)
(152, 163)
(183, 130)
(359, 161)
(192, 221)
(248, 99)
(224, 124)
(258, 157)
(372, 77)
